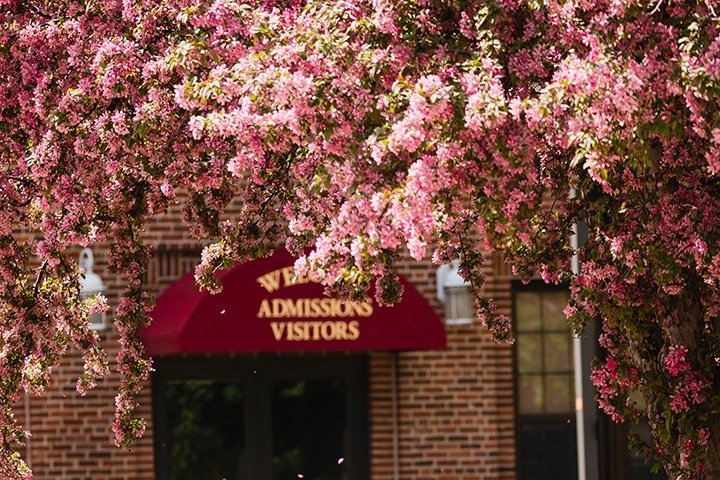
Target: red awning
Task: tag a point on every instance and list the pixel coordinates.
(262, 309)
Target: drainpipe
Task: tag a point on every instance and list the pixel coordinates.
(583, 354)
(28, 441)
(395, 415)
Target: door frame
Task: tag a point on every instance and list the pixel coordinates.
(259, 373)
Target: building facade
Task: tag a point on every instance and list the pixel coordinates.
(270, 381)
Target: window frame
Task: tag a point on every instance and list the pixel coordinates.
(538, 286)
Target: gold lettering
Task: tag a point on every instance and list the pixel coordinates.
(300, 331)
(346, 308)
(315, 330)
(270, 281)
(306, 307)
(327, 330)
(292, 308)
(315, 308)
(305, 331)
(278, 308)
(326, 307)
(340, 331)
(353, 330)
(288, 274)
(363, 309)
(312, 308)
(264, 310)
(277, 329)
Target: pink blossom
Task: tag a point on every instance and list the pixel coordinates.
(676, 360)
(353, 130)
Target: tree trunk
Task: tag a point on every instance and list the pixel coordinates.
(712, 464)
(695, 430)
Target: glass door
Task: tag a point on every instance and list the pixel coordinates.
(309, 429)
(206, 434)
(260, 420)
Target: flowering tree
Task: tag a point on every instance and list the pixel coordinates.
(359, 128)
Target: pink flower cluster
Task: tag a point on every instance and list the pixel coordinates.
(611, 382)
(357, 129)
(676, 360)
(692, 391)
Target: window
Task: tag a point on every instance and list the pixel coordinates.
(546, 436)
(260, 420)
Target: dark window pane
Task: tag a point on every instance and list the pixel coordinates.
(529, 352)
(532, 451)
(530, 394)
(309, 424)
(560, 450)
(559, 393)
(527, 311)
(553, 304)
(547, 449)
(206, 430)
(558, 354)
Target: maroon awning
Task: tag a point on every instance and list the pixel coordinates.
(262, 309)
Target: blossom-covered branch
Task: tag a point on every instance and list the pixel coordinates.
(352, 129)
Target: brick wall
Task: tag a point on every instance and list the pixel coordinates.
(455, 410)
(71, 435)
(433, 415)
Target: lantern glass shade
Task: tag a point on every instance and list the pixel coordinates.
(97, 320)
(91, 285)
(456, 294)
(459, 305)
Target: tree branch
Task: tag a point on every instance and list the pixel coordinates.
(39, 279)
(657, 7)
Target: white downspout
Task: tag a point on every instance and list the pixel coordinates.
(28, 440)
(586, 416)
(395, 414)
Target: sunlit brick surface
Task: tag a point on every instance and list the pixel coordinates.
(453, 417)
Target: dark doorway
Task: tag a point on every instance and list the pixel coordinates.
(544, 382)
(618, 460)
(299, 418)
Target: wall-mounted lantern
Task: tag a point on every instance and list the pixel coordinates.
(91, 285)
(456, 294)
